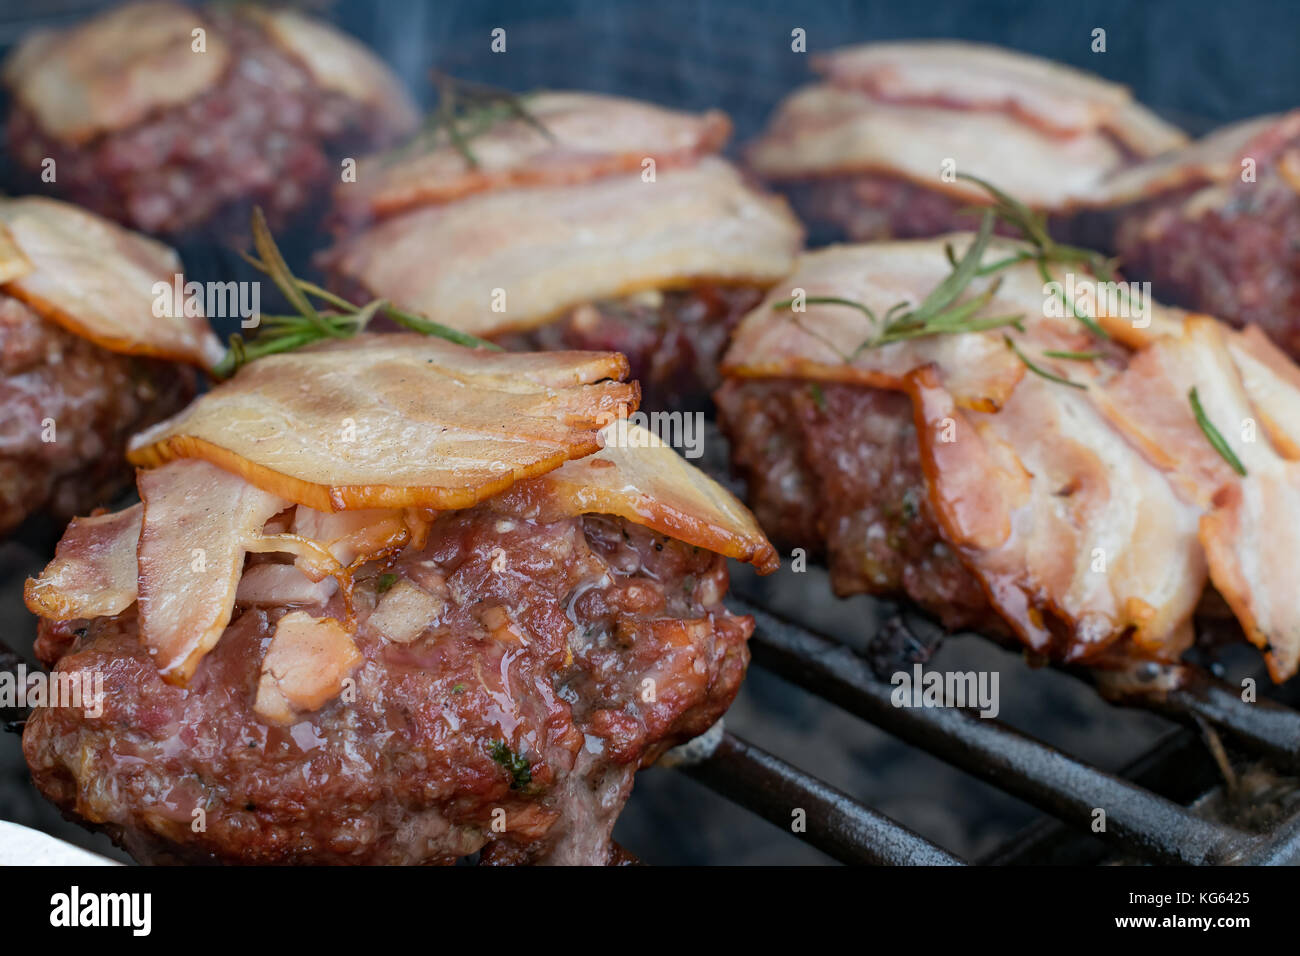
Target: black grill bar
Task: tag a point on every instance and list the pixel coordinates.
(836, 823)
(1136, 819)
(1262, 727)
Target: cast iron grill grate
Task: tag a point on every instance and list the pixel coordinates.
(1141, 825)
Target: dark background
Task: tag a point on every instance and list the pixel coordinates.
(1199, 64)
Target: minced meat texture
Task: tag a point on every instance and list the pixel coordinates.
(265, 134)
(1232, 251)
(835, 469)
(562, 655)
(92, 400)
(673, 340)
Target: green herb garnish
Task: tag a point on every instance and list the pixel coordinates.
(1036, 369)
(521, 772)
(941, 312)
(386, 582)
(1073, 356)
(284, 333)
(818, 396)
(466, 110)
(458, 689)
(1216, 439)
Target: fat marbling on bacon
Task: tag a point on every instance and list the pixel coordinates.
(368, 664)
(1084, 520)
(872, 148)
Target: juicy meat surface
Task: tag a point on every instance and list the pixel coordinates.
(552, 659)
(866, 207)
(265, 134)
(95, 400)
(1232, 251)
(673, 340)
(835, 469)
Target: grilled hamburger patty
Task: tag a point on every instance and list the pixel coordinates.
(594, 644)
(96, 400)
(265, 133)
(835, 469)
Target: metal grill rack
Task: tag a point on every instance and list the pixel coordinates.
(1141, 823)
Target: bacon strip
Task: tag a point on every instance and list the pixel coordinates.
(114, 70)
(591, 135)
(638, 477)
(198, 523)
(1073, 534)
(93, 573)
(1049, 96)
(1247, 523)
(99, 281)
(1042, 131)
(514, 259)
(824, 342)
(397, 420)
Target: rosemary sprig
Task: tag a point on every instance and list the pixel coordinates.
(1215, 438)
(465, 111)
(939, 313)
(1037, 370)
(343, 319)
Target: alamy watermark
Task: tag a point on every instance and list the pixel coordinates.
(81, 689)
(683, 431)
(921, 688)
(213, 300)
(1095, 298)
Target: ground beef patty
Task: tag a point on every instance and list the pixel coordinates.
(835, 469)
(673, 340)
(266, 133)
(95, 399)
(1231, 250)
(558, 658)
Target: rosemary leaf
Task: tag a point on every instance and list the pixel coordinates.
(1215, 438)
(1036, 369)
(1073, 356)
(279, 272)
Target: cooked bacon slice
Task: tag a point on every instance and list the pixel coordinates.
(1246, 520)
(638, 477)
(198, 523)
(533, 253)
(113, 71)
(338, 63)
(1052, 97)
(94, 571)
(1216, 158)
(1272, 382)
(97, 280)
(1042, 131)
(824, 341)
(397, 420)
(304, 668)
(591, 135)
(1073, 534)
